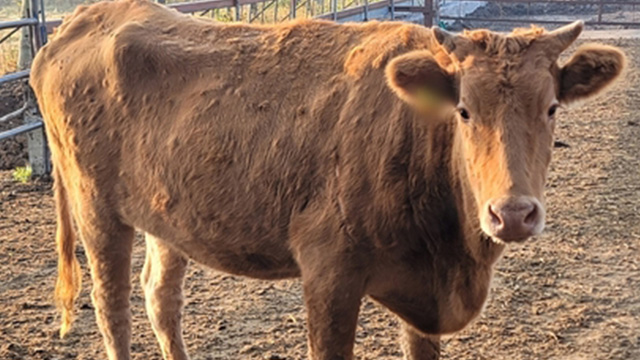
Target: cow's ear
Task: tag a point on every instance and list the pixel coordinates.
(418, 79)
(589, 71)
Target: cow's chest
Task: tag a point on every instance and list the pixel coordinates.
(439, 301)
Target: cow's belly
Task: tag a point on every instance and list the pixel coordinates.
(267, 259)
(243, 243)
(274, 263)
(212, 204)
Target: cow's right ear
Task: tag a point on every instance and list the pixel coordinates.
(418, 79)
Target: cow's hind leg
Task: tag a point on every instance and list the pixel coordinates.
(162, 280)
(417, 346)
(108, 245)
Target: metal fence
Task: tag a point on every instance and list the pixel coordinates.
(34, 33)
(271, 11)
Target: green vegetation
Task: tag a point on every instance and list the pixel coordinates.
(22, 174)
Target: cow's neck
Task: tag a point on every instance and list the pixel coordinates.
(446, 269)
(451, 211)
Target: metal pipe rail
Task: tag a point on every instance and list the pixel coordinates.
(21, 129)
(362, 9)
(566, 2)
(538, 21)
(14, 76)
(199, 6)
(14, 114)
(17, 23)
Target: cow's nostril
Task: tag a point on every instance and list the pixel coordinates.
(495, 218)
(531, 217)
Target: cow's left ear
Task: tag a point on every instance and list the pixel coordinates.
(418, 79)
(589, 71)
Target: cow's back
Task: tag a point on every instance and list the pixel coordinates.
(194, 130)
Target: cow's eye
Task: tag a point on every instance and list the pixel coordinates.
(552, 110)
(464, 114)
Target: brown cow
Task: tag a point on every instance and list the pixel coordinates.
(380, 159)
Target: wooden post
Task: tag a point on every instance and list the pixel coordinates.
(253, 10)
(238, 10)
(334, 9)
(276, 19)
(366, 10)
(428, 13)
(600, 12)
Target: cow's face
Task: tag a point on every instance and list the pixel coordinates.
(505, 91)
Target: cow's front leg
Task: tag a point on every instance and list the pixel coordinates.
(417, 346)
(332, 298)
(332, 265)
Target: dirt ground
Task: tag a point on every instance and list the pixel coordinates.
(573, 293)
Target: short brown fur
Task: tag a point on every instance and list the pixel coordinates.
(283, 151)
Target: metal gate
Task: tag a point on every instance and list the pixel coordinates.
(34, 32)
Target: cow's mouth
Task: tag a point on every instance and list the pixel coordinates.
(503, 242)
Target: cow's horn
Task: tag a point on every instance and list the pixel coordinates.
(445, 38)
(452, 43)
(560, 39)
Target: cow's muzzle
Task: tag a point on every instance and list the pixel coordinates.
(513, 218)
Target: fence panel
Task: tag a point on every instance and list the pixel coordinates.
(620, 13)
(33, 36)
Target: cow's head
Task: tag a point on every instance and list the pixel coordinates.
(505, 91)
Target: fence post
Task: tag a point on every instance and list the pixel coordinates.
(30, 41)
(436, 11)
(334, 9)
(366, 10)
(392, 9)
(238, 10)
(600, 12)
(293, 9)
(275, 12)
(428, 13)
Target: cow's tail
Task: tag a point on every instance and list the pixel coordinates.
(69, 275)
